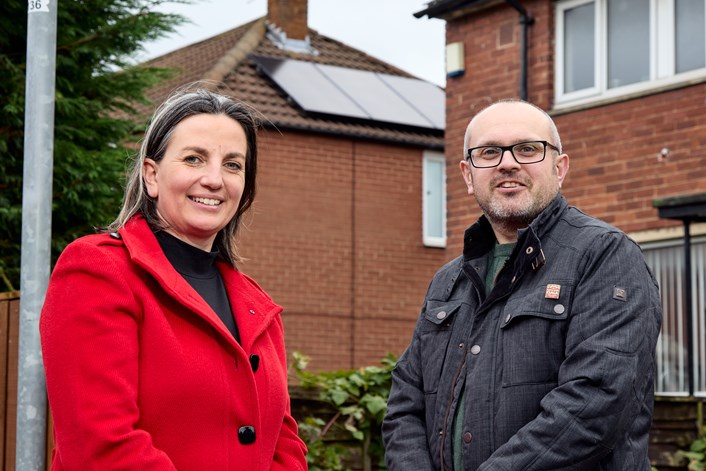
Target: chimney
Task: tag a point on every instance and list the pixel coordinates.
(289, 17)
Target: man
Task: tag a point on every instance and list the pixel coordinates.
(534, 350)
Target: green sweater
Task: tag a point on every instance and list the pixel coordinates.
(496, 261)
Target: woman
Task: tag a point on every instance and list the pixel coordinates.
(159, 353)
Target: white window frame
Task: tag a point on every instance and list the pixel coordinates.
(427, 239)
(561, 7)
(662, 55)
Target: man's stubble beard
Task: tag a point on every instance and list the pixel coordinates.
(510, 216)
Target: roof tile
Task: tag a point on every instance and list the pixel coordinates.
(224, 58)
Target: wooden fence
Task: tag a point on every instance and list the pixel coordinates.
(9, 333)
(9, 336)
(676, 422)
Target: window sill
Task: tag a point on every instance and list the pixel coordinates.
(645, 89)
(434, 243)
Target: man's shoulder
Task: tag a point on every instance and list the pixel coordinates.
(576, 219)
(451, 267)
(445, 277)
(582, 229)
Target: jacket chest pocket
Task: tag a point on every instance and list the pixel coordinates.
(435, 335)
(533, 333)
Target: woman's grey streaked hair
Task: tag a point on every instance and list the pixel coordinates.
(181, 104)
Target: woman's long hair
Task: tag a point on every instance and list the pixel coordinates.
(178, 106)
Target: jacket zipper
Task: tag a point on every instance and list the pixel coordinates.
(445, 429)
(448, 409)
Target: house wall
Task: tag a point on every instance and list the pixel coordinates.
(335, 237)
(615, 172)
(614, 168)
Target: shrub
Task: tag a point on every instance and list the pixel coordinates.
(359, 397)
(696, 454)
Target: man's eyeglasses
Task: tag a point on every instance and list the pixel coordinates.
(529, 152)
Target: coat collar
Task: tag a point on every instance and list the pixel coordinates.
(526, 256)
(253, 309)
(479, 239)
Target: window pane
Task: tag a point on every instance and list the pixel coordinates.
(434, 194)
(690, 35)
(579, 47)
(667, 264)
(628, 42)
(433, 198)
(698, 309)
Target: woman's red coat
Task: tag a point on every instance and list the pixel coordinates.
(141, 374)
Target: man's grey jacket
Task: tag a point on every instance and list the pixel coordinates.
(556, 363)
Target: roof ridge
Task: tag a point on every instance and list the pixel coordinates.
(229, 61)
(392, 69)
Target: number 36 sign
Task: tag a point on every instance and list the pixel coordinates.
(34, 6)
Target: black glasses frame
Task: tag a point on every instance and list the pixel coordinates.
(545, 144)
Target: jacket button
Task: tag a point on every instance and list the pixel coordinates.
(440, 315)
(254, 362)
(467, 437)
(475, 349)
(246, 435)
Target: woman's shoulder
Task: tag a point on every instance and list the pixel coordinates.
(103, 240)
(94, 249)
(99, 240)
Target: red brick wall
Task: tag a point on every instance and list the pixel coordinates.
(290, 16)
(614, 171)
(335, 237)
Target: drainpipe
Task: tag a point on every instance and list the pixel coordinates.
(689, 314)
(525, 20)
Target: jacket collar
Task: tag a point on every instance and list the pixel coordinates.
(547, 219)
(253, 308)
(527, 254)
(479, 239)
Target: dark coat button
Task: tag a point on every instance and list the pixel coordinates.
(254, 362)
(246, 435)
(467, 437)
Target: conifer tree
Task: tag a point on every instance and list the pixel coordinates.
(97, 88)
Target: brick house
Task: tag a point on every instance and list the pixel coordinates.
(338, 235)
(625, 82)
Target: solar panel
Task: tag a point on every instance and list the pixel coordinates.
(309, 88)
(358, 94)
(429, 99)
(373, 95)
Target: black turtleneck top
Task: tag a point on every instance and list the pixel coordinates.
(198, 268)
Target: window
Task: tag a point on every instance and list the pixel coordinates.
(690, 35)
(666, 260)
(609, 48)
(434, 199)
(628, 42)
